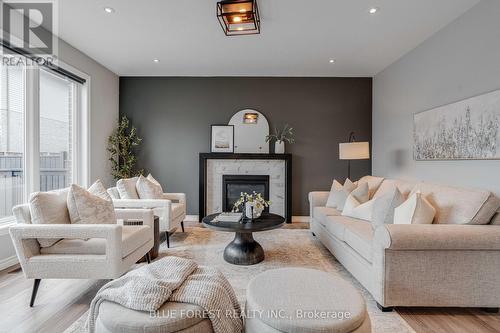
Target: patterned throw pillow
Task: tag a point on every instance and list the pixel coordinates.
(98, 189)
(113, 193)
(126, 188)
(87, 208)
(148, 189)
(49, 208)
(151, 178)
(339, 194)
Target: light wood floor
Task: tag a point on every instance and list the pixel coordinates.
(450, 320)
(61, 302)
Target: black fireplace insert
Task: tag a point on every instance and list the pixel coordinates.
(234, 185)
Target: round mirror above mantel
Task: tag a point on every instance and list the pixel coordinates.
(250, 130)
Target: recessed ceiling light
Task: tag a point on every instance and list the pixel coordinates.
(109, 10)
(373, 10)
(332, 61)
(156, 60)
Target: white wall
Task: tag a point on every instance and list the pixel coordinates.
(460, 61)
(103, 117)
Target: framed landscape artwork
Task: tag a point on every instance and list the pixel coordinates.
(465, 130)
(222, 139)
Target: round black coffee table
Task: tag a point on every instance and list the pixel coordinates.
(244, 250)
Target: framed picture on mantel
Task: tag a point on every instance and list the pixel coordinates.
(222, 139)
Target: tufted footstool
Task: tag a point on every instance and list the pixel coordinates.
(304, 300)
(171, 317)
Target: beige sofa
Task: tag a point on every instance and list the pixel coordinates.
(448, 263)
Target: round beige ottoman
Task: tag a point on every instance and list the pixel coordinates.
(304, 300)
(171, 317)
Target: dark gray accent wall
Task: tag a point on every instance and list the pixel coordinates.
(173, 116)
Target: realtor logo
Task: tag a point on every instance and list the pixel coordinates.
(30, 27)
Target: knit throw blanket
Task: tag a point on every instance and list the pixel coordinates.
(177, 280)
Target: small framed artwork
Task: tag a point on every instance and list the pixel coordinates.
(222, 139)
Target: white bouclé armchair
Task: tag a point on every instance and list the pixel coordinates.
(171, 209)
(85, 251)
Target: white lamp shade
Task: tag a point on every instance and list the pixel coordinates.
(354, 151)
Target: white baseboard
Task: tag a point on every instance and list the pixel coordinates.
(295, 219)
(191, 218)
(8, 262)
(302, 219)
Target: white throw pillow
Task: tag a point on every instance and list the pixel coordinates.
(126, 188)
(49, 208)
(358, 210)
(148, 189)
(350, 204)
(495, 220)
(151, 178)
(113, 193)
(87, 208)
(384, 206)
(339, 193)
(361, 193)
(373, 183)
(415, 210)
(98, 189)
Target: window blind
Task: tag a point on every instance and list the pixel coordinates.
(50, 66)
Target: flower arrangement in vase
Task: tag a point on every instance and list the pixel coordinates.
(280, 136)
(254, 204)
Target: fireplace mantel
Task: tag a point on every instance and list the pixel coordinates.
(204, 157)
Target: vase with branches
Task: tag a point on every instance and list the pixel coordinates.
(121, 146)
(280, 136)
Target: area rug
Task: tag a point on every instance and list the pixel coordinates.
(283, 248)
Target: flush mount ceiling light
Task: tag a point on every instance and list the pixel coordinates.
(109, 10)
(238, 17)
(373, 10)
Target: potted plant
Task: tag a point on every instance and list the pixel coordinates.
(254, 204)
(121, 146)
(280, 136)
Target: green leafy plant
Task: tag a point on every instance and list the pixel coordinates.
(282, 135)
(121, 146)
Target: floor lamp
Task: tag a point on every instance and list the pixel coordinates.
(353, 150)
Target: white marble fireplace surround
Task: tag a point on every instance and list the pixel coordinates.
(275, 169)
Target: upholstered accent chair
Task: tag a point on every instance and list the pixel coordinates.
(84, 251)
(171, 209)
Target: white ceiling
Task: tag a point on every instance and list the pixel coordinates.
(298, 36)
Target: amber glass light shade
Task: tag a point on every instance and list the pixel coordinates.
(238, 17)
